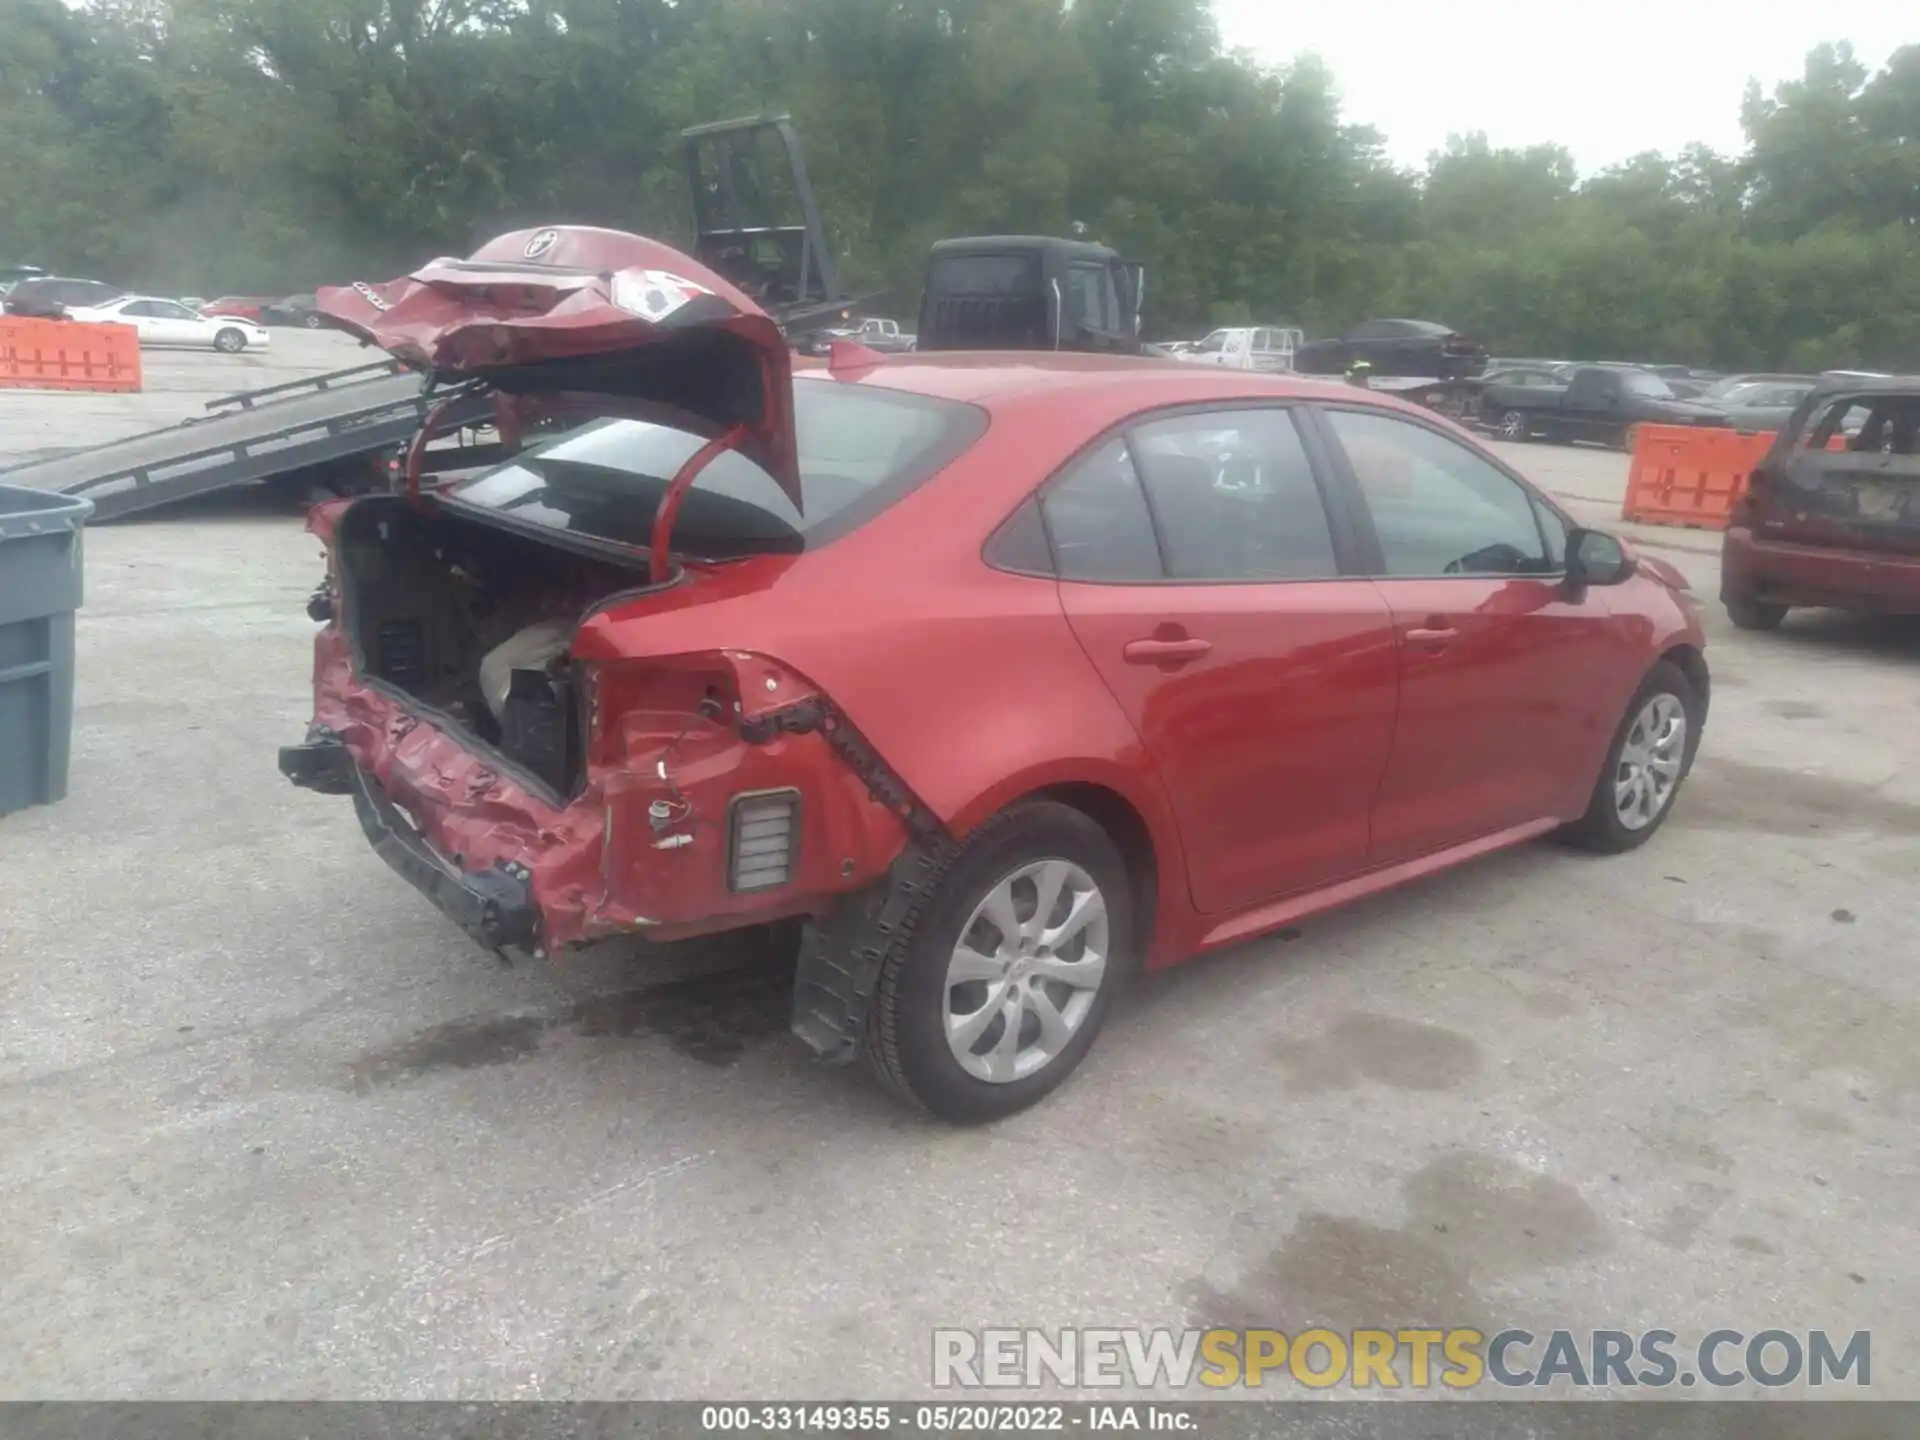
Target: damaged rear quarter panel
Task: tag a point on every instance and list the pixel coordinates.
(966, 680)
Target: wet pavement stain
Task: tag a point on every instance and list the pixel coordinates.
(1732, 795)
(1358, 1047)
(1754, 1245)
(1686, 1146)
(1682, 1224)
(1794, 710)
(1827, 1023)
(1472, 1218)
(713, 1019)
(1549, 1005)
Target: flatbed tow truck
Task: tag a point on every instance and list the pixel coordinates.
(756, 222)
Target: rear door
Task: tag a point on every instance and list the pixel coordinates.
(1592, 405)
(1507, 686)
(1216, 591)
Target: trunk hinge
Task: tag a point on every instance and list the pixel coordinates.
(417, 449)
(884, 785)
(659, 550)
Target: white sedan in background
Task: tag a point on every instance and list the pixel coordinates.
(168, 322)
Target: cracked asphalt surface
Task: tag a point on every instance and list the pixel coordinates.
(275, 1129)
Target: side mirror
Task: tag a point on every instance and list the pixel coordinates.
(1596, 558)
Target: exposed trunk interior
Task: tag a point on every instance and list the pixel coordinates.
(474, 622)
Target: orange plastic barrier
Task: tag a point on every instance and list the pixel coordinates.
(1687, 475)
(62, 355)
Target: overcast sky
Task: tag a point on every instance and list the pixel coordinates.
(1605, 80)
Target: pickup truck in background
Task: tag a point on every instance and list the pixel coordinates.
(1261, 347)
(884, 336)
(1603, 404)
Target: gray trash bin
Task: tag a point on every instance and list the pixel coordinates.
(40, 566)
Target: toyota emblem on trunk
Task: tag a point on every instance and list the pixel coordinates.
(541, 243)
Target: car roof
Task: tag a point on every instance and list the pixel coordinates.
(1015, 379)
(1848, 384)
(992, 244)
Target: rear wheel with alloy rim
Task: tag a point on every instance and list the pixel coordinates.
(997, 993)
(1513, 426)
(1652, 752)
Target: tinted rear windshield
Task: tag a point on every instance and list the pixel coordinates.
(860, 450)
(985, 275)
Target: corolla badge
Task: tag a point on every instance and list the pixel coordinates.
(541, 243)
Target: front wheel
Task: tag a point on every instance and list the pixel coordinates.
(229, 342)
(1513, 426)
(996, 994)
(1649, 759)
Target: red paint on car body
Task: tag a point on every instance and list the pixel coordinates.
(1329, 738)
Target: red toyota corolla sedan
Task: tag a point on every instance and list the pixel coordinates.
(1004, 674)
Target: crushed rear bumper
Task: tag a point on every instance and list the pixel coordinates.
(495, 906)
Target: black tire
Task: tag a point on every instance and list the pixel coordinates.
(1755, 614)
(229, 341)
(906, 1041)
(1513, 426)
(1601, 829)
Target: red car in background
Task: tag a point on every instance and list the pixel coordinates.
(241, 307)
(1004, 674)
(1831, 515)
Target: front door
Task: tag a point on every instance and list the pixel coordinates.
(1201, 575)
(176, 325)
(1504, 680)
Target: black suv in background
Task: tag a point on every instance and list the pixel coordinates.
(49, 296)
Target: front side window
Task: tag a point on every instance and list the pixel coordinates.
(1234, 496)
(860, 449)
(1092, 302)
(1438, 508)
(1214, 344)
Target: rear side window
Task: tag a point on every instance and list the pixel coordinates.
(1234, 494)
(1098, 520)
(985, 274)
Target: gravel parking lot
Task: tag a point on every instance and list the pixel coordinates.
(274, 1128)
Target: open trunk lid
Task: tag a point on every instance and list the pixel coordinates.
(574, 317)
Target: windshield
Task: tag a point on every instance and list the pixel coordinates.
(1639, 382)
(861, 449)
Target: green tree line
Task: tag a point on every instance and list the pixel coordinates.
(204, 146)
